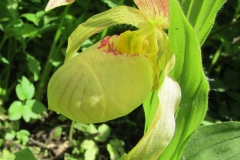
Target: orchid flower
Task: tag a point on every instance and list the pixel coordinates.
(114, 76)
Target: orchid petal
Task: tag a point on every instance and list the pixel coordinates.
(95, 24)
(97, 86)
(56, 3)
(156, 10)
(162, 128)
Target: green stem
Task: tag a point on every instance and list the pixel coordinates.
(215, 57)
(71, 131)
(3, 41)
(48, 65)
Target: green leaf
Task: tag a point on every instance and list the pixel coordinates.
(21, 155)
(10, 135)
(92, 129)
(25, 90)
(33, 66)
(38, 107)
(35, 18)
(15, 110)
(91, 149)
(3, 59)
(219, 141)
(111, 3)
(103, 133)
(150, 105)
(115, 149)
(29, 109)
(188, 72)
(57, 131)
(201, 14)
(23, 136)
(26, 113)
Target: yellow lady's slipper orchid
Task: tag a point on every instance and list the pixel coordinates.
(107, 80)
(114, 76)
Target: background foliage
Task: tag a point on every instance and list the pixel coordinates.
(32, 47)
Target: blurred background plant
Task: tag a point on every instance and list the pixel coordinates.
(32, 47)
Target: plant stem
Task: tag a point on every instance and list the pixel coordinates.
(3, 41)
(71, 131)
(48, 66)
(215, 58)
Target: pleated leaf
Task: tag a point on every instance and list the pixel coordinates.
(215, 142)
(201, 14)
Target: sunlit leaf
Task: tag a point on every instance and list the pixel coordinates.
(10, 135)
(91, 149)
(103, 133)
(35, 18)
(201, 14)
(115, 149)
(218, 141)
(3, 59)
(15, 110)
(25, 90)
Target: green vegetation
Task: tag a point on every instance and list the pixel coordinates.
(32, 47)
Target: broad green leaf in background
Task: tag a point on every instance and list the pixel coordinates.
(215, 142)
(201, 15)
(24, 154)
(188, 72)
(25, 90)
